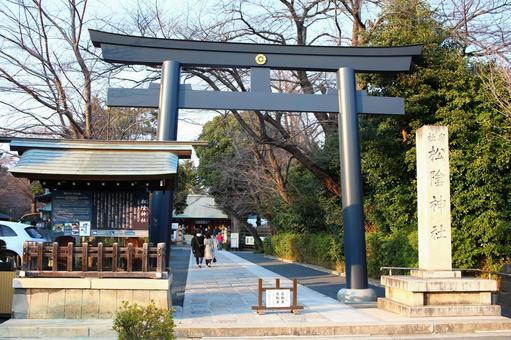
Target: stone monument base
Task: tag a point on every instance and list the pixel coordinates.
(438, 293)
(84, 298)
(356, 296)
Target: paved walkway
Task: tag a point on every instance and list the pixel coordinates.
(319, 279)
(219, 300)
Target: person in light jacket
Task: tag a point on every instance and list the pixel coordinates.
(209, 249)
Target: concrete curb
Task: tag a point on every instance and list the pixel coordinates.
(372, 281)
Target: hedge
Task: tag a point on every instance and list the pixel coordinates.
(318, 249)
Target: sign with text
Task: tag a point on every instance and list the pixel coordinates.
(235, 240)
(121, 213)
(101, 213)
(71, 207)
(433, 198)
(278, 298)
(249, 240)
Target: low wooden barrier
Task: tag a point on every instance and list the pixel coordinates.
(40, 260)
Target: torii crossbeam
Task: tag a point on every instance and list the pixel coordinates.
(261, 58)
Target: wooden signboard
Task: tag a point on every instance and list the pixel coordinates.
(278, 298)
(120, 213)
(103, 213)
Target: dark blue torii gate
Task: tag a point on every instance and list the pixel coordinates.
(169, 97)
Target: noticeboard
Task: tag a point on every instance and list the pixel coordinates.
(120, 213)
(69, 208)
(101, 213)
(235, 240)
(278, 298)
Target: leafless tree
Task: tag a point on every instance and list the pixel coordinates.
(46, 76)
(497, 79)
(250, 179)
(16, 192)
(47, 72)
(283, 22)
(483, 27)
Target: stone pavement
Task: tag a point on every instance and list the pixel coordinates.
(218, 302)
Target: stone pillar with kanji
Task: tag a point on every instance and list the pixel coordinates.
(433, 200)
(435, 289)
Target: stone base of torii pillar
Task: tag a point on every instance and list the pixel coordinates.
(435, 289)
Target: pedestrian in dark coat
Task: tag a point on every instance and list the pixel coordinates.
(198, 248)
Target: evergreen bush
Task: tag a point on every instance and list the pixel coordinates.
(319, 249)
(134, 322)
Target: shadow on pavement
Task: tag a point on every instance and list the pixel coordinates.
(179, 260)
(324, 283)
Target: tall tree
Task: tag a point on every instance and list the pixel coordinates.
(443, 88)
(49, 87)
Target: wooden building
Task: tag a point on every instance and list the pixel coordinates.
(201, 213)
(99, 188)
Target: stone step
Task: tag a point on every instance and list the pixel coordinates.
(415, 284)
(57, 328)
(101, 329)
(438, 310)
(384, 328)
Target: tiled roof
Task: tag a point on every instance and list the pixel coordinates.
(91, 164)
(201, 207)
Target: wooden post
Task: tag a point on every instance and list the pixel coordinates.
(129, 257)
(114, 257)
(100, 256)
(295, 297)
(260, 296)
(145, 256)
(277, 283)
(164, 257)
(55, 256)
(70, 254)
(85, 256)
(26, 258)
(160, 255)
(40, 252)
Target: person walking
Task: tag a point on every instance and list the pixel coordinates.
(219, 240)
(209, 249)
(198, 248)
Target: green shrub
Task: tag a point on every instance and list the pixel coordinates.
(318, 249)
(395, 249)
(134, 322)
(268, 246)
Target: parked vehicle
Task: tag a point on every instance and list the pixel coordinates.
(14, 235)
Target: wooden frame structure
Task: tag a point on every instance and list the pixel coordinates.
(40, 260)
(294, 307)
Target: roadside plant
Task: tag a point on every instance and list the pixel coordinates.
(134, 322)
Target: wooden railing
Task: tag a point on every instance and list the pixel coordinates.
(43, 260)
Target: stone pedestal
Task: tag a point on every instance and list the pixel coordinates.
(84, 298)
(429, 295)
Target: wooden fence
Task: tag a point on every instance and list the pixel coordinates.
(41, 260)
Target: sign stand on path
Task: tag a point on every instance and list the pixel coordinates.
(277, 298)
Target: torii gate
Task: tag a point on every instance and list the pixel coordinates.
(169, 97)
